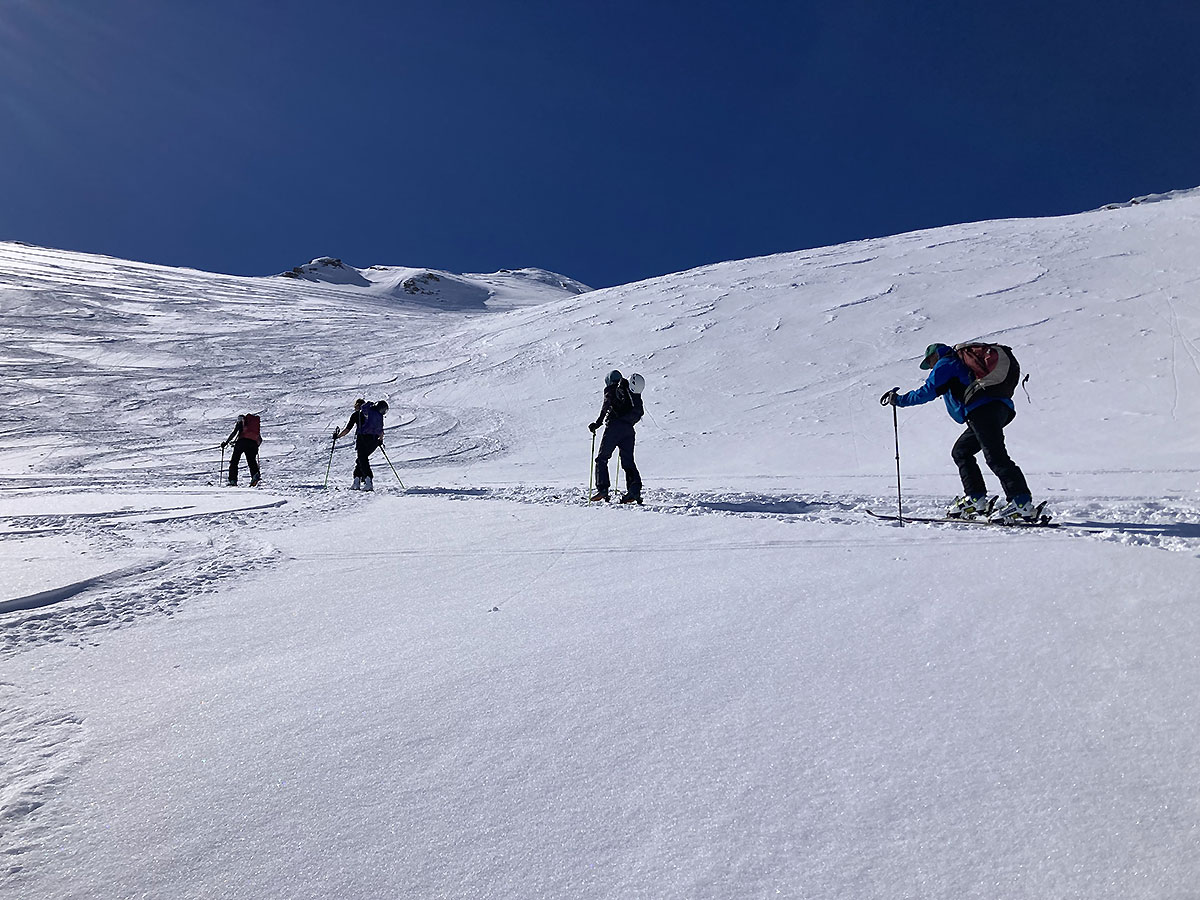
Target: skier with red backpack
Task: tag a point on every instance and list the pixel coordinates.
(245, 438)
(367, 418)
(977, 382)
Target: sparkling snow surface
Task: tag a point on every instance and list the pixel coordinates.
(479, 687)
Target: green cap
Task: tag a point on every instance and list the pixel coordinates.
(931, 356)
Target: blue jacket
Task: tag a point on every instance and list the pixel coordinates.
(948, 379)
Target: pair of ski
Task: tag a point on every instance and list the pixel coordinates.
(1039, 520)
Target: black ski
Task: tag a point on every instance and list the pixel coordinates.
(1041, 520)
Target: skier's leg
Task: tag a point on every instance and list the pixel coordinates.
(369, 447)
(234, 458)
(252, 459)
(630, 467)
(963, 454)
(361, 452)
(608, 443)
(988, 423)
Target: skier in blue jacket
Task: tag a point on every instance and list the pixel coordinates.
(985, 418)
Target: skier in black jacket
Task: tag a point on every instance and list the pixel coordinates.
(621, 411)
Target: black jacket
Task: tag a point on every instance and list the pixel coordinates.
(628, 416)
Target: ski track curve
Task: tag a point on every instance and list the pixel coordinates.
(186, 553)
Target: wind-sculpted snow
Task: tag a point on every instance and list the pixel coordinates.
(139, 370)
(745, 687)
(38, 749)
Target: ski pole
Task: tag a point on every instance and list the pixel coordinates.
(221, 471)
(389, 462)
(890, 399)
(591, 468)
(899, 501)
(329, 465)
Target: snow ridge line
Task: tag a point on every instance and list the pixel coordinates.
(58, 594)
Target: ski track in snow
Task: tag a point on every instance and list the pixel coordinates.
(183, 560)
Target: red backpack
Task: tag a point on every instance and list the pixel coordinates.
(997, 372)
(251, 428)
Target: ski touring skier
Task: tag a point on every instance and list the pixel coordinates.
(367, 418)
(245, 438)
(986, 417)
(621, 410)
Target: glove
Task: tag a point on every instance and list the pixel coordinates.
(335, 434)
(592, 426)
(224, 444)
(889, 399)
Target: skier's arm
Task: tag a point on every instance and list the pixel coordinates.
(233, 435)
(603, 412)
(938, 383)
(924, 394)
(353, 421)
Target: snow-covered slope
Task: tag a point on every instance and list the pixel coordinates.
(758, 369)
(480, 687)
(772, 367)
(118, 367)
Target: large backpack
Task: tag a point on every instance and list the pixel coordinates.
(622, 403)
(995, 368)
(251, 428)
(625, 404)
(371, 421)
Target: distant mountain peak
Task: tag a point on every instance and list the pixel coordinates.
(432, 287)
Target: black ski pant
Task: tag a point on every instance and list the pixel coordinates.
(985, 431)
(617, 436)
(365, 444)
(250, 448)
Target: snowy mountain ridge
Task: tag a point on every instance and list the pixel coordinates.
(504, 289)
(1154, 198)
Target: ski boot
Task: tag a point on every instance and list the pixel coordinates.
(230, 484)
(1018, 513)
(632, 498)
(368, 484)
(254, 481)
(599, 497)
(965, 507)
(357, 485)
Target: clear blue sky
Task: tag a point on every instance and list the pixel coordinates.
(609, 140)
